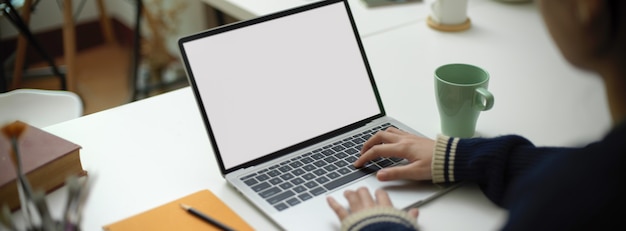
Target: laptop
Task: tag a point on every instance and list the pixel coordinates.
(287, 100)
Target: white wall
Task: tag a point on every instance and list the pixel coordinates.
(48, 15)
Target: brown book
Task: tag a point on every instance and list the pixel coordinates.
(47, 161)
(171, 216)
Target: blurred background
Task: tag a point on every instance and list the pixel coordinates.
(104, 69)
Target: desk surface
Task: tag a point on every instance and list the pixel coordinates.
(153, 151)
(369, 20)
(150, 152)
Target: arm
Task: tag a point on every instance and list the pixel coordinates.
(494, 163)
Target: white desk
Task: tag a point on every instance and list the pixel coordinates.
(537, 93)
(369, 20)
(153, 151)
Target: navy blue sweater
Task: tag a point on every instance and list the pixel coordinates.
(542, 188)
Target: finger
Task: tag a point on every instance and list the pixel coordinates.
(382, 198)
(381, 150)
(366, 198)
(411, 171)
(379, 138)
(370, 154)
(353, 200)
(413, 212)
(396, 131)
(339, 210)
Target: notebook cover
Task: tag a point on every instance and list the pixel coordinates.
(42, 154)
(171, 216)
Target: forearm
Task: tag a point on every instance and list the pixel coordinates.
(494, 163)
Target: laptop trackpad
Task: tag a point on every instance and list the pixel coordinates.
(402, 192)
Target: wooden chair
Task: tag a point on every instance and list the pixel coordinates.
(68, 79)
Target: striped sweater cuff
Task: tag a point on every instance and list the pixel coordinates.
(377, 215)
(443, 159)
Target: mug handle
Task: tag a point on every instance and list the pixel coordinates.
(482, 93)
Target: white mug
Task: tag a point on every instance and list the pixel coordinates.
(449, 12)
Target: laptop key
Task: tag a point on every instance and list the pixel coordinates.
(286, 176)
(352, 151)
(341, 155)
(330, 159)
(270, 192)
(350, 177)
(309, 167)
(293, 201)
(298, 172)
(318, 191)
(280, 197)
(317, 156)
(319, 163)
(251, 182)
(344, 171)
(295, 164)
(261, 187)
(339, 148)
(333, 175)
(297, 181)
(319, 172)
(276, 181)
(305, 196)
(248, 176)
(306, 160)
(308, 176)
(311, 184)
(330, 167)
(385, 163)
(286, 185)
(322, 180)
(358, 140)
(348, 144)
(262, 177)
(299, 189)
(284, 168)
(341, 163)
(273, 173)
(281, 206)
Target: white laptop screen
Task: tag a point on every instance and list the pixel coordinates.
(269, 85)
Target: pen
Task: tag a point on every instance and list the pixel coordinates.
(204, 217)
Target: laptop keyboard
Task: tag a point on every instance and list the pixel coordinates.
(293, 181)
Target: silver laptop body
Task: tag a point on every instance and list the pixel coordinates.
(286, 98)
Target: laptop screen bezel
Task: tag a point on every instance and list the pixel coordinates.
(290, 149)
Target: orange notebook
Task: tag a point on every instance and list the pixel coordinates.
(171, 216)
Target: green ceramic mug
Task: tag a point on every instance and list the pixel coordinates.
(461, 92)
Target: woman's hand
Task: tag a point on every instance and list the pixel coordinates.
(397, 143)
(360, 200)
